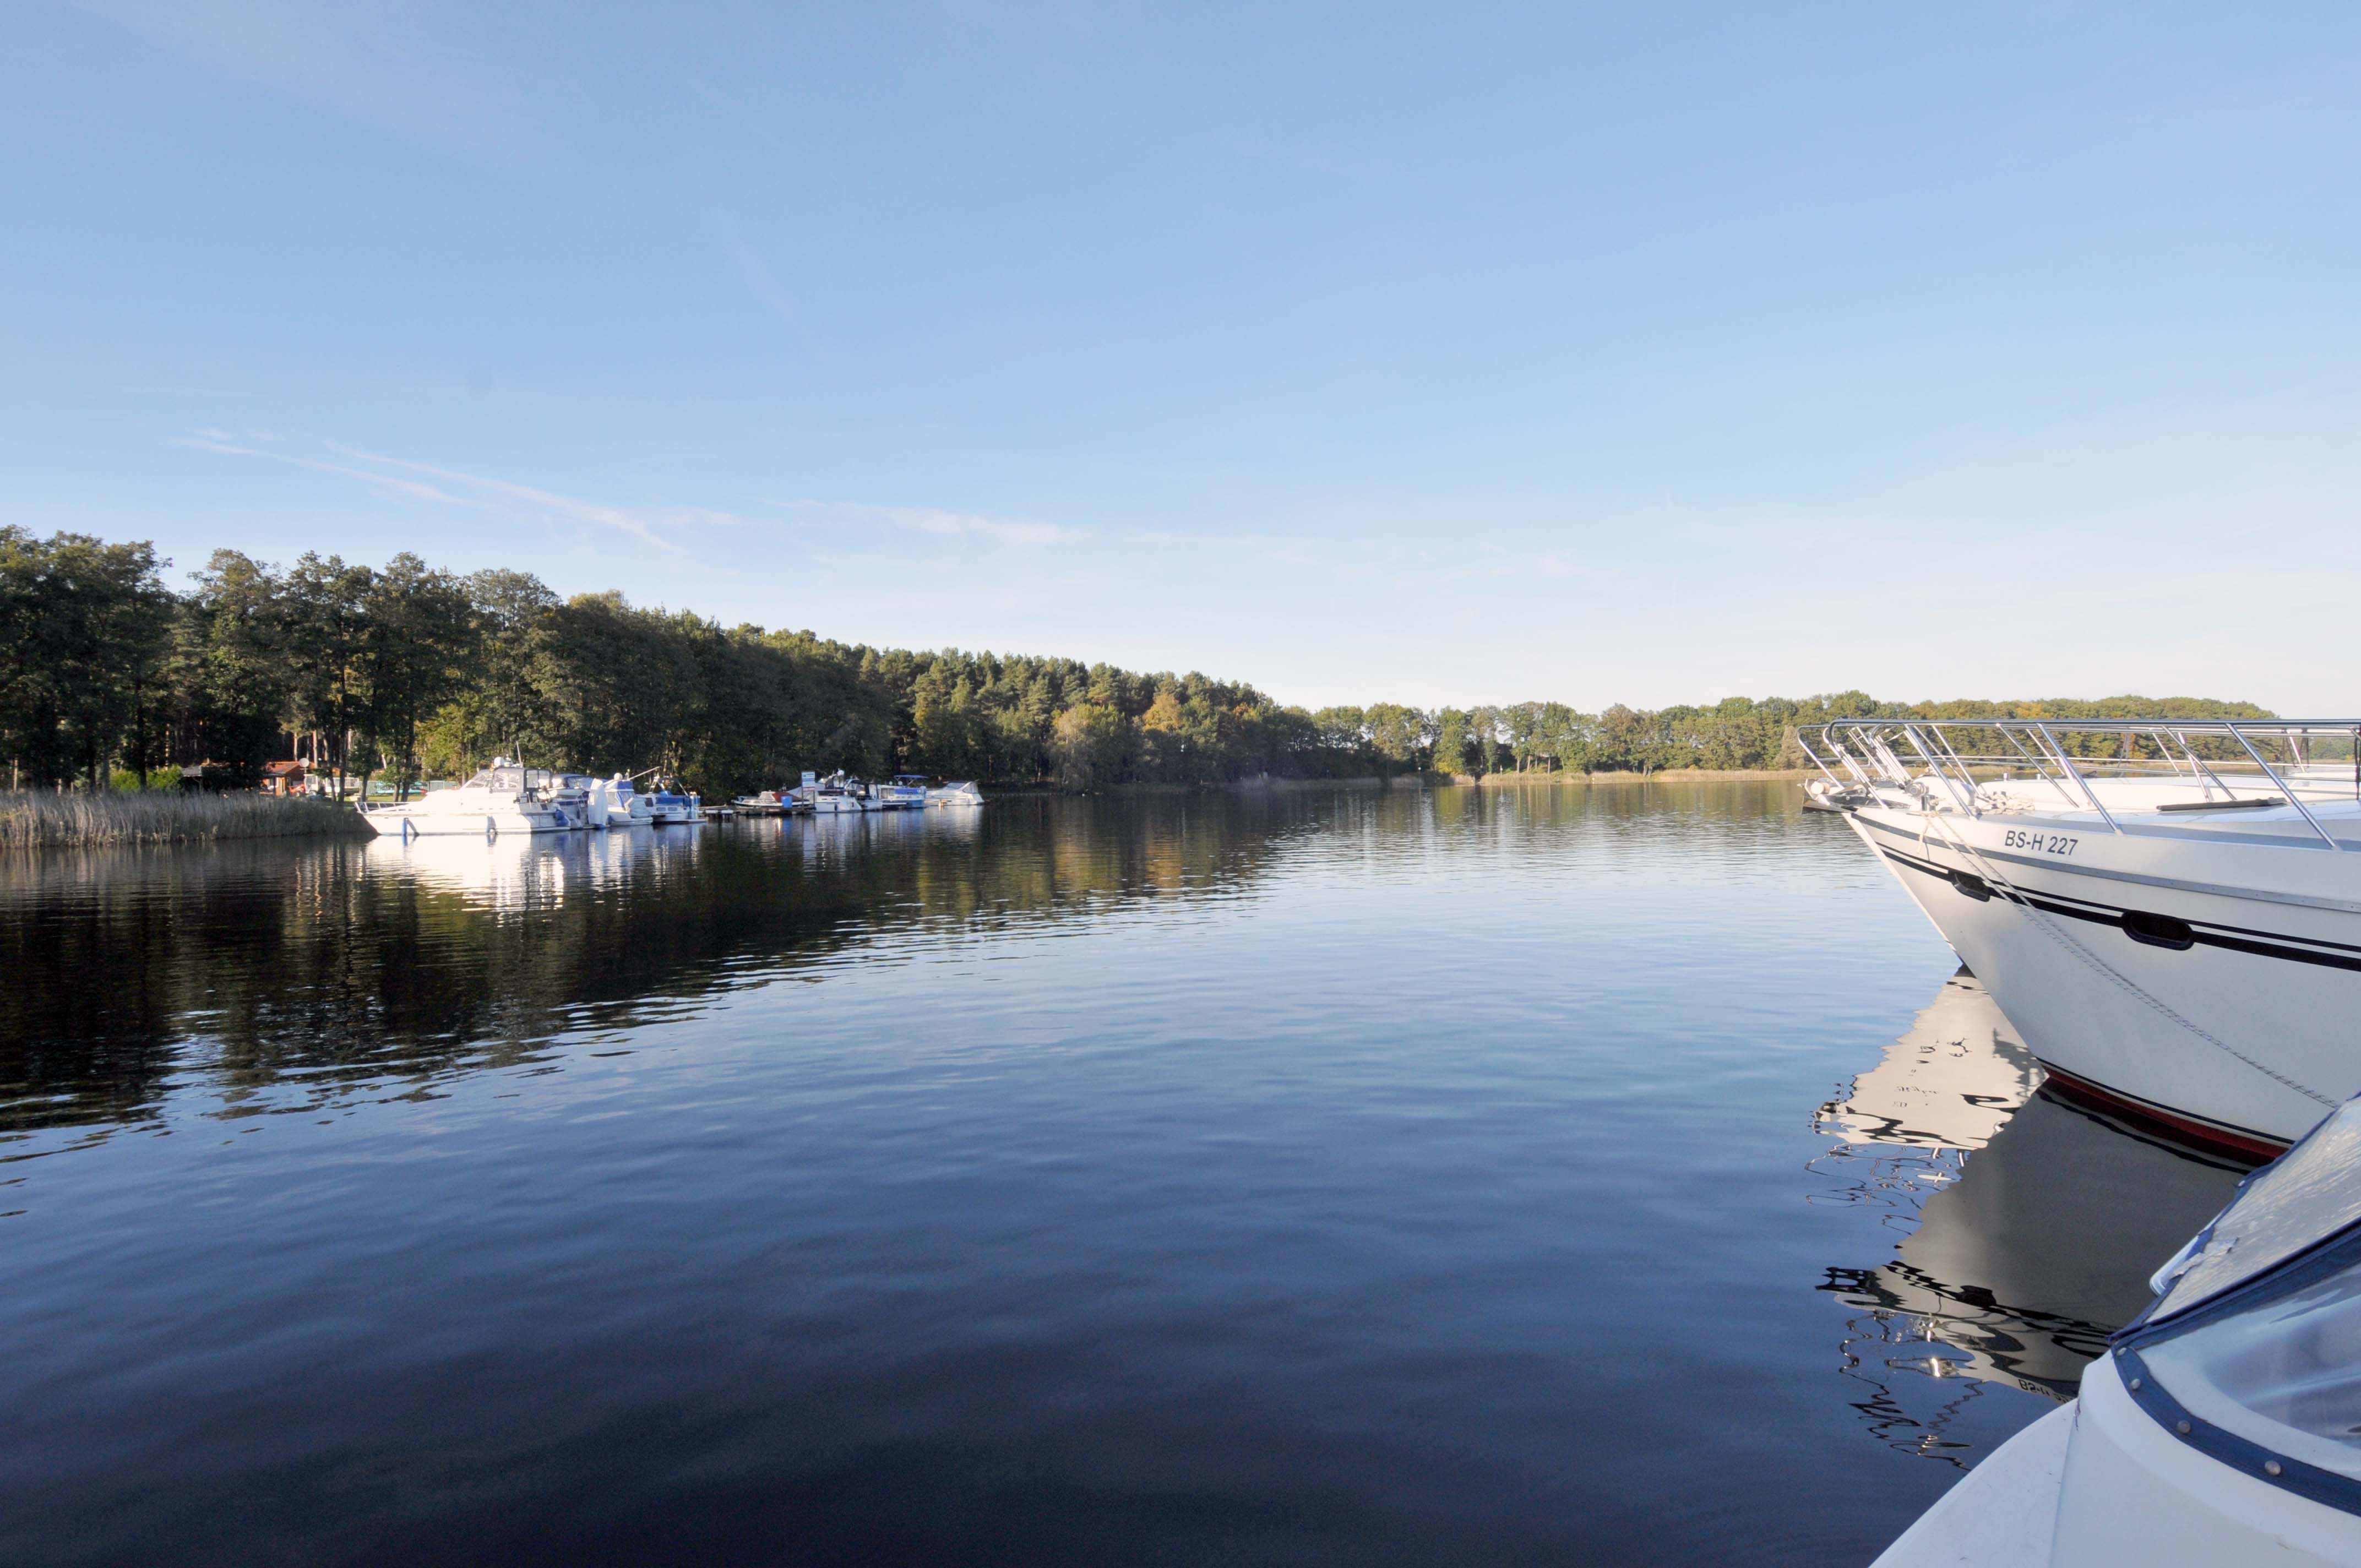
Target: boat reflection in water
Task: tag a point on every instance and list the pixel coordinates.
(530, 872)
(2031, 1225)
(514, 872)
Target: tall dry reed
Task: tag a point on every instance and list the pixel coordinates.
(40, 818)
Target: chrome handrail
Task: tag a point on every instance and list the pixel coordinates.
(1865, 748)
(2325, 835)
(2068, 763)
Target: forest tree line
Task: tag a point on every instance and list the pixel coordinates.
(411, 672)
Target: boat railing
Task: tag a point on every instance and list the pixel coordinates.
(1954, 762)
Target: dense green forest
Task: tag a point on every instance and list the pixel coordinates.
(411, 672)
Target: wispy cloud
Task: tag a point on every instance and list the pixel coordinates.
(411, 480)
(1016, 533)
(422, 72)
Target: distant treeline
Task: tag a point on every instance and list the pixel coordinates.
(413, 671)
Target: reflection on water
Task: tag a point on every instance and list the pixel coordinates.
(1952, 1082)
(281, 976)
(1373, 1176)
(2027, 1227)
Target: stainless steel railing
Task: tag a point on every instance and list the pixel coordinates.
(2304, 761)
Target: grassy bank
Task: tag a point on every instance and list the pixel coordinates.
(39, 819)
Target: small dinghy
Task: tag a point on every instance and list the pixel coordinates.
(2223, 1426)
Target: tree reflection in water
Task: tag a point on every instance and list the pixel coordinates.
(2028, 1227)
(290, 978)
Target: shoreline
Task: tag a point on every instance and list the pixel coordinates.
(37, 820)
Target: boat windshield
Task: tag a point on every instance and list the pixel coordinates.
(2253, 1355)
(2280, 1372)
(2309, 1193)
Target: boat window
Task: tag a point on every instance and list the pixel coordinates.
(2282, 1373)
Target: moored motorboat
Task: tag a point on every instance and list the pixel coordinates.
(963, 793)
(837, 793)
(904, 792)
(2223, 1426)
(626, 806)
(674, 807)
(506, 798)
(569, 795)
(2176, 929)
(597, 796)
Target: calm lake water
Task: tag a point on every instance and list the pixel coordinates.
(1554, 1176)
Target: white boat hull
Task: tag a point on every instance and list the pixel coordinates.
(2133, 1492)
(2231, 1020)
(2098, 1482)
(2003, 1514)
(407, 822)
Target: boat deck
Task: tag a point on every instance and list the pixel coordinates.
(2241, 809)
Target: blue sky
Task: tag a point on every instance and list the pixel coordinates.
(1365, 352)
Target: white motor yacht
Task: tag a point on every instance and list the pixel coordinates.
(2223, 1426)
(570, 794)
(837, 793)
(597, 797)
(674, 808)
(904, 792)
(2175, 929)
(963, 793)
(506, 798)
(626, 806)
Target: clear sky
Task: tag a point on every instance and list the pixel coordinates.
(1419, 353)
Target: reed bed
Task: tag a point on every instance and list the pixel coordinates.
(44, 819)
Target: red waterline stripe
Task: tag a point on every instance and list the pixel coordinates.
(2205, 1134)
